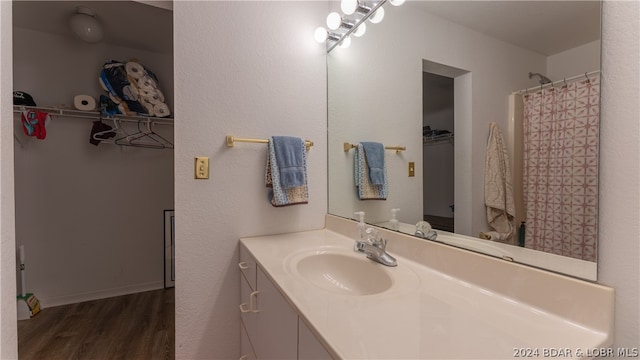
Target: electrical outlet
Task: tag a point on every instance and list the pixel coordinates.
(412, 169)
(202, 167)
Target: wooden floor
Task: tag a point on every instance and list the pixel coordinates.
(137, 326)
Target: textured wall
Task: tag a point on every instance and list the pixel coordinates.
(8, 330)
(248, 69)
(619, 231)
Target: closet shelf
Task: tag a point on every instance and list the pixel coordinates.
(93, 115)
(437, 138)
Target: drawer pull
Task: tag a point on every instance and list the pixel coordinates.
(243, 266)
(243, 357)
(251, 307)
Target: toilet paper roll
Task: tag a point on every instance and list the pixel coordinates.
(84, 102)
(154, 96)
(147, 83)
(148, 106)
(161, 110)
(135, 70)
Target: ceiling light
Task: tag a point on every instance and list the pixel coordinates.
(396, 2)
(85, 26)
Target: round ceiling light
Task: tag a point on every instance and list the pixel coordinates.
(85, 26)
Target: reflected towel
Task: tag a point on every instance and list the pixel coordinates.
(498, 189)
(367, 190)
(374, 153)
(279, 195)
(290, 153)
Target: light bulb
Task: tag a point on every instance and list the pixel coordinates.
(360, 30)
(320, 35)
(345, 42)
(334, 20)
(377, 16)
(396, 2)
(349, 6)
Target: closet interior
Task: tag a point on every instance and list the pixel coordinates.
(91, 214)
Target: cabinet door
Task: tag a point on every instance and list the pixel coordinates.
(276, 323)
(246, 350)
(309, 347)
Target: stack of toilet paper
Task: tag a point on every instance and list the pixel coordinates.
(134, 88)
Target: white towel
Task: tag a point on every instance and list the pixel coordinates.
(498, 189)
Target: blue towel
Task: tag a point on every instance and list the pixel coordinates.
(290, 159)
(374, 153)
(279, 196)
(366, 190)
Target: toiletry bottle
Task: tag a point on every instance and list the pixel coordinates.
(362, 227)
(394, 224)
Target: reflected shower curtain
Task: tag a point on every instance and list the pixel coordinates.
(561, 127)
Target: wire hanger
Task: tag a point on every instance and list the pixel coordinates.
(145, 138)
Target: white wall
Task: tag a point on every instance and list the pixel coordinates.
(248, 69)
(90, 218)
(619, 227)
(572, 62)
(8, 328)
(375, 93)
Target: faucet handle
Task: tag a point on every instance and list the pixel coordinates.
(375, 239)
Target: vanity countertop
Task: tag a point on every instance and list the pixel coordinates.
(484, 309)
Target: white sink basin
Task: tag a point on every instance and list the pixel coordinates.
(343, 273)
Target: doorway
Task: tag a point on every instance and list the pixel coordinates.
(438, 150)
(91, 216)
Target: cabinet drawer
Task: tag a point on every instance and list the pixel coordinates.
(247, 267)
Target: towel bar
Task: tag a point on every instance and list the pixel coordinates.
(398, 148)
(231, 140)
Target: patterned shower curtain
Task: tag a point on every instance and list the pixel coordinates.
(561, 127)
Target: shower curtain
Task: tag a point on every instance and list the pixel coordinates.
(561, 127)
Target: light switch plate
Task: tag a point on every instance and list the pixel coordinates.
(202, 167)
(412, 169)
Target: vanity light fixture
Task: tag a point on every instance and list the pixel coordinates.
(360, 30)
(348, 7)
(356, 12)
(85, 25)
(377, 16)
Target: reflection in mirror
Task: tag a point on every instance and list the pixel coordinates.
(432, 77)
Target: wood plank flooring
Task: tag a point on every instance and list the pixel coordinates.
(137, 326)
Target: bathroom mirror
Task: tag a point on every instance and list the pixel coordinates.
(456, 67)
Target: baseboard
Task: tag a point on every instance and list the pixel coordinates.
(46, 302)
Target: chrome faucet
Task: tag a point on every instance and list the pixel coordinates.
(374, 247)
(424, 230)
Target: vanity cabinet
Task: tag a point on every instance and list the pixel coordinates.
(269, 325)
(309, 348)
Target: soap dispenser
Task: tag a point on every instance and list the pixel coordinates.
(362, 227)
(394, 224)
